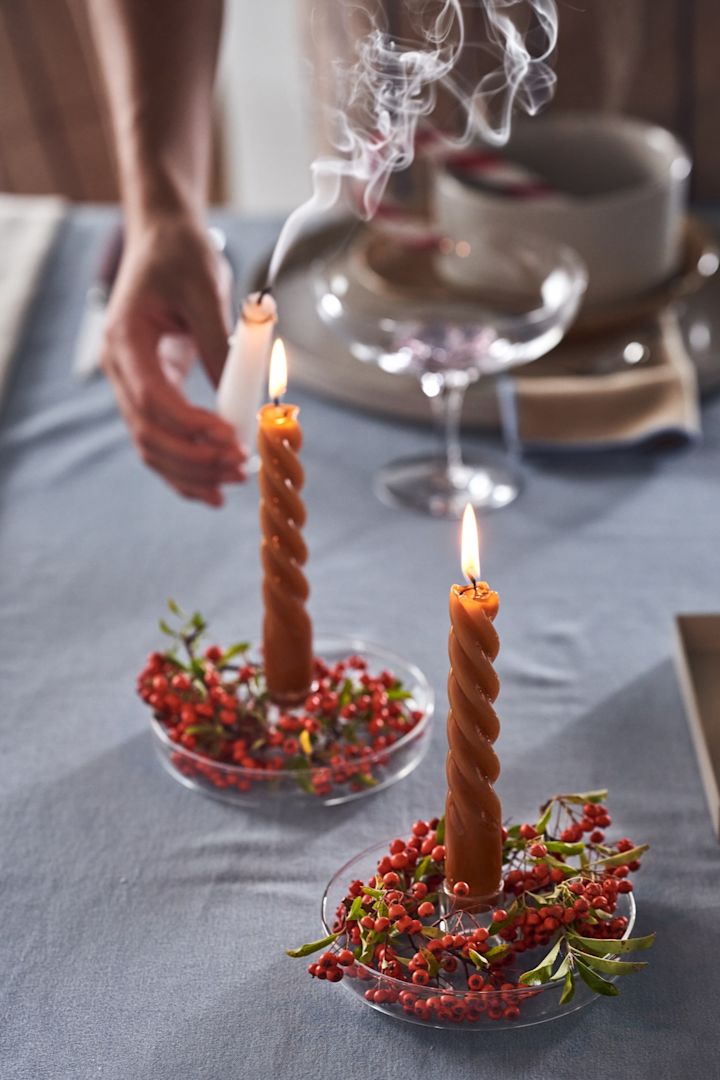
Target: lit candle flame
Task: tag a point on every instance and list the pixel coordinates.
(277, 381)
(470, 546)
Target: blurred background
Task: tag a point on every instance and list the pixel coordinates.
(654, 59)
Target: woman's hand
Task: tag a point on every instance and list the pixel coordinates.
(168, 286)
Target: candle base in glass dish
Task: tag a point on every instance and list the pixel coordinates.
(468, 911)
(308, 782)
(491, 1008)
(431, 486)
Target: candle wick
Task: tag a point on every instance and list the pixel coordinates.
(474, 585)
(276, 402)
(263, 293)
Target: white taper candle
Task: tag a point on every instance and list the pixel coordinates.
(242, 385)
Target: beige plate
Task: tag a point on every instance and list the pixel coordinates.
(323, 364)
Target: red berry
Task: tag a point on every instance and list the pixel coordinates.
(438, 853)
(528, 832)
(499, 915)
(420, 977)
(426, 909)
(345, 957)
(461, 888)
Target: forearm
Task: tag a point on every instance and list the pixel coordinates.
(158, 59)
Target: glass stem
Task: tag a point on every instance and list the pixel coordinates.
(447, 402)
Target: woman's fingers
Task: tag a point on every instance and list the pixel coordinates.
(199, 494)
(207, 326)
(132, 356)
(199, 467)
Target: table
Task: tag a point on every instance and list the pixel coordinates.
(144, 926)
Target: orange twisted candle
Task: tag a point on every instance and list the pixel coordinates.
(473, 825)
(287, 630)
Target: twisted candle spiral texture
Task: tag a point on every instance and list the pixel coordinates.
(287, 632)
(473, 821)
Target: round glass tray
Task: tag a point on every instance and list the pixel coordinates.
(235, 784)
(465, 1010)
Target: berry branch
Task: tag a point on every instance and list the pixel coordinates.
(561, 893)
(213, 702)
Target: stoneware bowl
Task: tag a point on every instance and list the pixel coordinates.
(618, 192)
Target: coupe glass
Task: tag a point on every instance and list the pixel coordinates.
(450, 310)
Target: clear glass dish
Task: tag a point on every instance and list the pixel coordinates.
(534, 1005)
(242, 786)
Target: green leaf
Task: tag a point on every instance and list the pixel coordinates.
(356, 909)
(561, 848)
(478, 960)
(197, 622)
(422, 868)
(571, 871)
(365, 779)
(623, 857)
(610, 967)
(496, 927)
(166, 629)
(368, 947)
(563, 969)
(432, 932)
(568, 991)
(313, 946)
(304, 782)
(398, 694)
(613, 945)
(376, 893)
(174, 607)
(440, 831)
(233, 651)
(497, 951)
(586, 796)
(593, 980)
(543, 972)
(542, 824)
(346, 694)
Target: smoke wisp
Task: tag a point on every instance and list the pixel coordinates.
(392, 85)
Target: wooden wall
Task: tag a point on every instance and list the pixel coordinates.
(654, 58)
(53, 128)
(657, 59)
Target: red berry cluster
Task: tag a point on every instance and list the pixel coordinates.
(401, 932)
(214, 706)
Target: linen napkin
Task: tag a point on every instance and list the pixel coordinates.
(648, 393)
(28, 227)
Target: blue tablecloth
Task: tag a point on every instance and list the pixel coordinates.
(144, 927)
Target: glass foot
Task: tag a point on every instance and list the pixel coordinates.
(430, 487)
